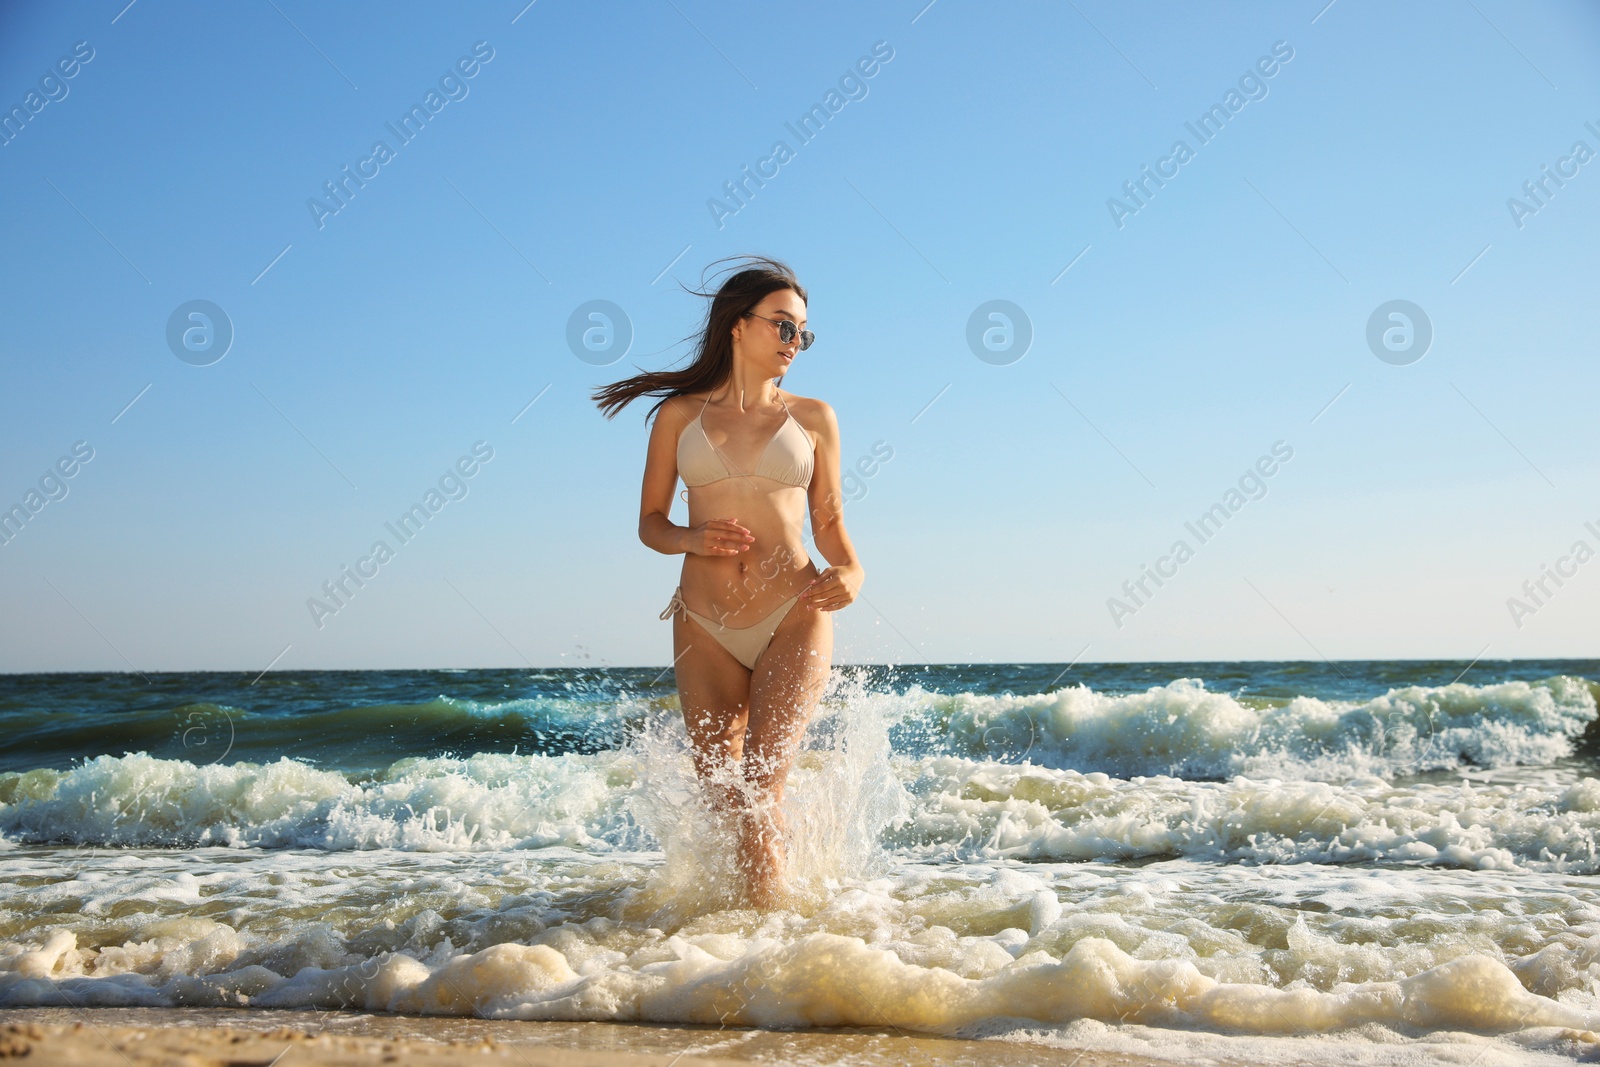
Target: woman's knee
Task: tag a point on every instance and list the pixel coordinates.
(720, 723)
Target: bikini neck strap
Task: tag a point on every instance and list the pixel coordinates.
(775, 392)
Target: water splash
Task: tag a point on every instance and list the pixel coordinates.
(842, 794)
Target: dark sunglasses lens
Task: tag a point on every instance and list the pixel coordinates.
(787, 331)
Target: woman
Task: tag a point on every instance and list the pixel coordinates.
(752, 635)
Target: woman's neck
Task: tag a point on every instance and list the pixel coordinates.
(746, 391)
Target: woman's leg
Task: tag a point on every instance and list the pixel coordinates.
(714, 690)
(784, 689)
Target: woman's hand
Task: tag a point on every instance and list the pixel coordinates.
(834, 588)
(717, 537)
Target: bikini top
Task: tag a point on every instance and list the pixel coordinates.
(788, 458)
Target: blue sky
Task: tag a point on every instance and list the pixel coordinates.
(374, 347)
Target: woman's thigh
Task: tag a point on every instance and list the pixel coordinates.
(784, 689)
(714, 690)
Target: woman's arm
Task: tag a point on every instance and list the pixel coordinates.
(718, 537)
(837, 586)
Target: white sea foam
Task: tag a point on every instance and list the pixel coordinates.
(1186, 730)
(845, 805)
(482, 802)
(966, 949)
(1029, 812)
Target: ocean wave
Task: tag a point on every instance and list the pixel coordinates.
(362, 736)
(842, 794)
(1184, 730)
(487, 801)
(1180, 728)
(847, 808)
(970, 808)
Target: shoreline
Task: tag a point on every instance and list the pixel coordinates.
(203, 1037)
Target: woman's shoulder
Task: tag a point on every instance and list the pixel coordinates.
(680, 410)
(815, 415)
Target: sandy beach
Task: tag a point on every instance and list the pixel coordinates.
(117, 1037)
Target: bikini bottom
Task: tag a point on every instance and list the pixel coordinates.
(745, 643)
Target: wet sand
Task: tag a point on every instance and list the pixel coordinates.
(120, 1037)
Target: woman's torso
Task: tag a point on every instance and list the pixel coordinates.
(753, 467)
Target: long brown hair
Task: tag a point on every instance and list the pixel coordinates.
(713, 358)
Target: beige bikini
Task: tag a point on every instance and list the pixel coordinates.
(788, 459)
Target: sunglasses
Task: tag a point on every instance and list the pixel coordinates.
(787, 331)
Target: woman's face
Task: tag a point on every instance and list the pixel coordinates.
(756, 339)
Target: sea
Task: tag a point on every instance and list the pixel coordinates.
(1348, 862)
